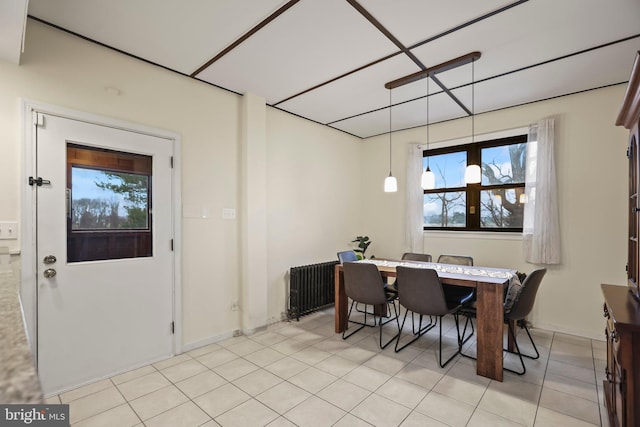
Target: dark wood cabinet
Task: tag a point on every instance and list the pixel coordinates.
(629, 117)
(622, 303)
(622, 383)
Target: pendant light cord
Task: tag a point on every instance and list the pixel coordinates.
(428, 122)
(389, 132)
(473, 100)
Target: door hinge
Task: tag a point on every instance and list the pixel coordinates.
(171, 162)
(173, 327)
(172, 245)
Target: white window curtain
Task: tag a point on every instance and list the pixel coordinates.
(415, 199)
(541, 225)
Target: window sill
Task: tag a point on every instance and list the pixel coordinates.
(484, 235)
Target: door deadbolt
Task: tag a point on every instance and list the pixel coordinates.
(49, 273)
(49, 259)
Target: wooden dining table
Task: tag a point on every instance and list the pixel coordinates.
(490, 284)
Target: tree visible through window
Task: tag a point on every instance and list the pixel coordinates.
(105, 200)
(497, 203)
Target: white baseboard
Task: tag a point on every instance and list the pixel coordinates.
(230, 334)
(570, 331)
(211, 340)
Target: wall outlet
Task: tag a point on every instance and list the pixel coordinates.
(8, 230)
(228, 213)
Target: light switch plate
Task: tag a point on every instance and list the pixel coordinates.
(228, 213)
(8, 230)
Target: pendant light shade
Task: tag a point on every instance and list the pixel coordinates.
(472, 175)
(428, 181)
(390, 182)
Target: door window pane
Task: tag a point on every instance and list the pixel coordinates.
(446, 209)
(108, 200)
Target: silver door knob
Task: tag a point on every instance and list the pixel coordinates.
(49, 259)
(49, 273)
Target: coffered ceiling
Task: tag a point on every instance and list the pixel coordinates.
(328, 60)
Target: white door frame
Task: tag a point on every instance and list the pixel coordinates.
(28, 286)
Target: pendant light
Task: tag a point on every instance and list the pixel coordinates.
(473, 173)
(390, 182)
(428, 180)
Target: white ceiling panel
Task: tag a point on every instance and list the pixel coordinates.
(361, 91)
(414, 113)
(180, 35)
(410, 114)
(309, 44)
(366, 125)
(529, 34)
(413, 21)
(296, 60)
(553, 79)
(403, 116)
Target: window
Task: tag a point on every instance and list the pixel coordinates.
(108, 204)
(495, 204)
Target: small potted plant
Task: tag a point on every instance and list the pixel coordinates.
(363, 244)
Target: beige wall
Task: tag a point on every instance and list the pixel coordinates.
(313, 205)
(66, 71)
(323, 187)
(592, 180)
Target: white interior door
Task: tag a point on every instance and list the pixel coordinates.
(105, 277)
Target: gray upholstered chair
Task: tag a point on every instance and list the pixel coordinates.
(420, 291)
(519, 301)
(461, 294)
(408, 256)
(363, 284)
(455, 259)
(518, 305)
(351, 256)
(411, 256)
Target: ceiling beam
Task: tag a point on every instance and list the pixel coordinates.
(432, 71)
(369, 17)
(468, 23)
(245, 36)
(405, 50)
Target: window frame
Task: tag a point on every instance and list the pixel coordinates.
(473, 191)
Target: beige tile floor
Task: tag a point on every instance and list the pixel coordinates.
(302, 374)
